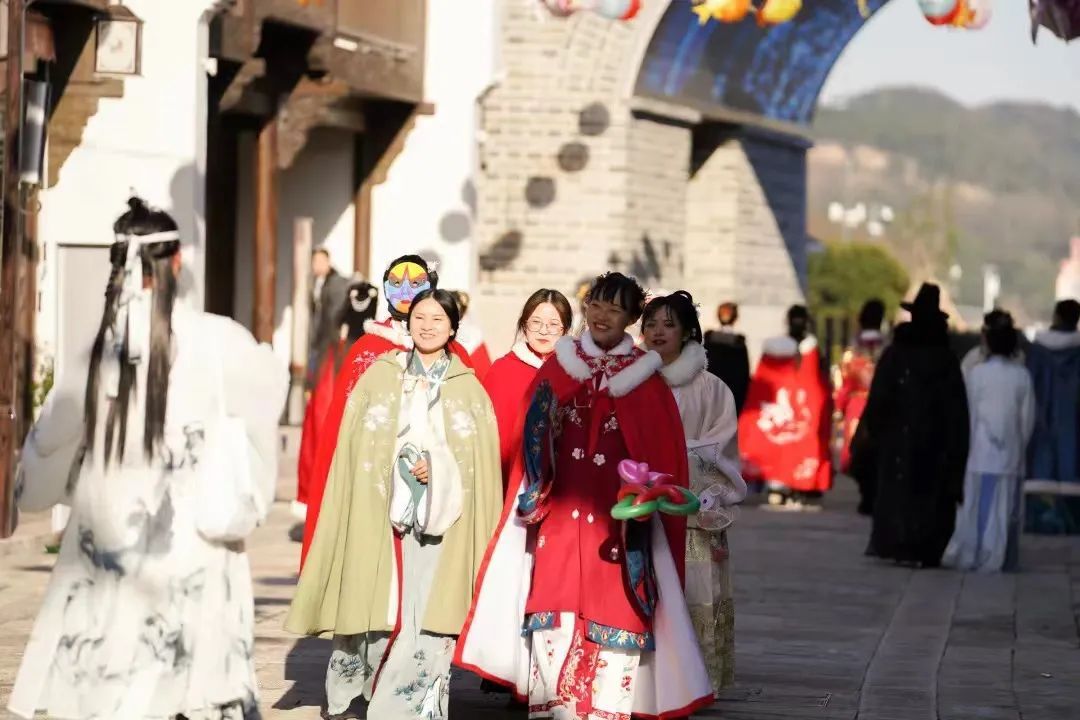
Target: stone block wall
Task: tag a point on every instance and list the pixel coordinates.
(576, 177)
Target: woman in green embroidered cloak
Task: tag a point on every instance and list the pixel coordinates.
(413, 497)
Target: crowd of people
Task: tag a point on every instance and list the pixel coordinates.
(555, 521)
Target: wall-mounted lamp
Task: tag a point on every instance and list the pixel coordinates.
(119, 43)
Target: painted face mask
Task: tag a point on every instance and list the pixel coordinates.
(405, 281)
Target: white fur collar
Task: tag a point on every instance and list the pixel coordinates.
(619, 384)
(871, 336)
(786, 347)
(391, 330)
(1057, 339)
(593, 350)
(524, 354)
(690, 363)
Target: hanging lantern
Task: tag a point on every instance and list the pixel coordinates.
(616, 9)
(981, 12)
(939, 12)
(963, 16)
(775, 12)
(725, 11)
(561, 8)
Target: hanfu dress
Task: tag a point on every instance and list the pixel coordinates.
(1001, 401)
(392, 564)
(144, 617)
(584, 616)
(507, 384)
(711, 424)
(320, 443)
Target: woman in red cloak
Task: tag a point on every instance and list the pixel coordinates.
(785, 427)
(360, 306)
(545, 318)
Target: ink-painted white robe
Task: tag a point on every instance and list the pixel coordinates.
(143, 618)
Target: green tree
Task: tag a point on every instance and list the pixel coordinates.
(845, 275)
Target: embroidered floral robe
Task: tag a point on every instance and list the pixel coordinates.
(710, 421)
(558, 551)
(379, 338)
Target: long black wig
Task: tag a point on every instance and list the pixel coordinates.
(156, 260)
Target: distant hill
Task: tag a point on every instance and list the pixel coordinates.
(1000, 183)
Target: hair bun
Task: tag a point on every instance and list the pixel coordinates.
(136, 203)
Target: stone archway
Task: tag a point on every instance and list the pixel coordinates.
(586, 164)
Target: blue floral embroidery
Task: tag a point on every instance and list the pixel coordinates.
(639, 572)
(619, 639)
(538, 449)
(540, 621)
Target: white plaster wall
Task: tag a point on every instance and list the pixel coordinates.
(149, 141)
(427, 203)
(318, 185)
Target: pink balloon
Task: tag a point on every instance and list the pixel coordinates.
(635, 473)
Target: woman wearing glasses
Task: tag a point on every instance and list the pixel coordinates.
(545, 318)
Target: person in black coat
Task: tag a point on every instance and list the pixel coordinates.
(913, 438)
(328, 303)
(728, 357)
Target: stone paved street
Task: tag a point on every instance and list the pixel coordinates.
(822, 631)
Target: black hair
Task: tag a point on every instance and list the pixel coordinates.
(1000, 333)
(463, 301)
(361, 305)
(619, 289)
(679, 305)
(798, 321)
(320, 251)
(1067, 315)
(156, 258)
(446, 299)
(872, 315)
(552, 297)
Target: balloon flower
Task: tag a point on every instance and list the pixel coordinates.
(644, 492)
(725, 11)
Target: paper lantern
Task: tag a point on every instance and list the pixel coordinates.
(963, 16)
(616, 9)
(939, 12)
(774, 12)
(561, 8)
(981, 12)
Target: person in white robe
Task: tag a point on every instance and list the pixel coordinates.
(711, 423)
(1001, 399)
(164, 446)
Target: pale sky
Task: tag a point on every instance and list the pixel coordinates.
(899, 48)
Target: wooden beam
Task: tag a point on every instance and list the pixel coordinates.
(375, 151)
(11, 398)
(266, 215)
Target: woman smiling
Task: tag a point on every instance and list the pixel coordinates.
(413, 496)
(544, 319)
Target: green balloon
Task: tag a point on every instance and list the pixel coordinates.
(625, 509)
(690, 505)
